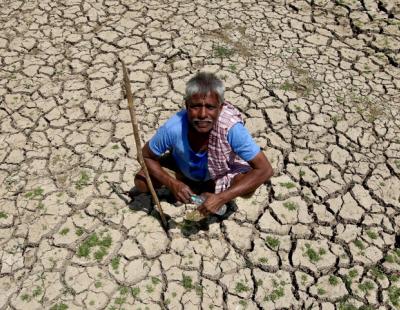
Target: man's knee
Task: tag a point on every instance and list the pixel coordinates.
(140, 182)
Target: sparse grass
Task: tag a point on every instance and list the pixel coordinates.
(312, 254)
(155, 280)
(98, 284)
(115, 147)
(115, 263)
(103, 243)
(287, 185)
(291, 206)
(263, 260)
(333, 280)
(241, 287)
(60, 306)
(83, 180)
(275, 294)
(26, 297)
(135, 291)
(394, 296)
(222, 51)
(272, 242)
(3, 215)
(79, 232)
(394, 277)
(359, 244)
(232, 67)
(321, 291)
(353, 273)
(35, 193)
(187, 282)
(377, 272)
(64, 231)
(372, 235)
(397, 163)
(366, 287)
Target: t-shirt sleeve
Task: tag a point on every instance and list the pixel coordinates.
(242, 142)
(160, 142)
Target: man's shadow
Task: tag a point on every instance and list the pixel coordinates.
(144, 202)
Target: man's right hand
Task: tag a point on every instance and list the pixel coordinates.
(181, 191)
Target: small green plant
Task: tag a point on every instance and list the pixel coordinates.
(333, 280)
(155, 280)
(394, 296)
(26, 297)
(263, 260)
(366, 286)
(397, 163)
(287, 185)
(115, 147)
(275, 294)
(64, 231)
(394, 277)
(37, 291)
(272, 242)
(3, 215)
(353, 273)
(187, 282)
(149, 288)
(60, 306)
(359, 244)
(135, 291)
(79, 232)
(243, 303)
(372, 235)
(302, 173)
(83, 180)
(232, 67)
(98, 284)
(222, 51)
(35, 193)
(115, 263)
(291, 206)
(321, 291)
(312, 254)
(103, 243)
(241, 287)
(287, 86)
(377, 272)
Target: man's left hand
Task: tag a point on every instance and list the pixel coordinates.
(212, 203)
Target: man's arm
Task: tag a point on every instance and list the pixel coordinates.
(247, 183)
(181, 191)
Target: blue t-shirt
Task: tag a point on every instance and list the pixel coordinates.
(173, 136)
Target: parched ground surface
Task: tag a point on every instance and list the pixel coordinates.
(318, 83)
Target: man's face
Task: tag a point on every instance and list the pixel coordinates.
(203, 111)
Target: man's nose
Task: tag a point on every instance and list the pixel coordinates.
(203, 112)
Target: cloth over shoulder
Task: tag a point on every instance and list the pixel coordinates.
(223, 163)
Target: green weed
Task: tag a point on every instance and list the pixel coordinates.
(272, 242)
(3, 215)
(222, 51)
(83, 180)
(187, 282)
(103, 243)
(35, 193)
(115, 262)
(333, 280)
(287, 185)
(241, 287)
(60, 306)
(291, 206)
(64, 231)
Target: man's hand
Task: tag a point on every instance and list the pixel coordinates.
(181, 191)
(212, 203)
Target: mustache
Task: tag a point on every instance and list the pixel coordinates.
(208, 120)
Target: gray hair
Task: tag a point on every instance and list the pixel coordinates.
(203, 83)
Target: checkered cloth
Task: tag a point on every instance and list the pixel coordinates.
(223, 163)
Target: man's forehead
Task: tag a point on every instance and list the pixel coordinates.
(204, 96)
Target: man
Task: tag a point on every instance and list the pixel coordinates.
(209, 149)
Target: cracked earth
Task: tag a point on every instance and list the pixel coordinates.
(318, 84)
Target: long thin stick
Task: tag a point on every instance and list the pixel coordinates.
(132, 112)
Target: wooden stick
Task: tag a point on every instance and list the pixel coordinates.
(132, 112)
